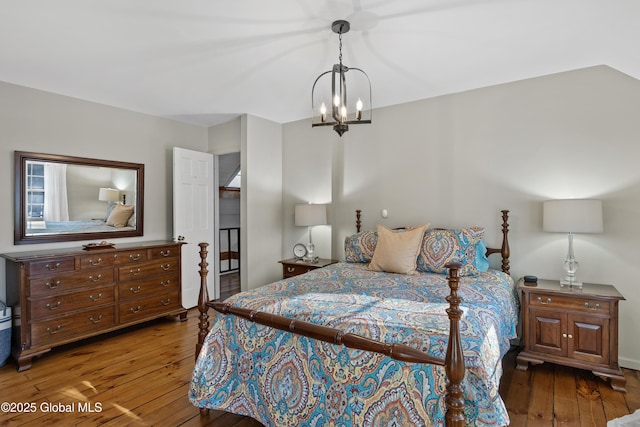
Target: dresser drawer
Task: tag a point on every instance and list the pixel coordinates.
(131, 257)
(54, 266)
(134, 272)
(61, 283)
(57, 305)
(98, 260)
(570, 303)
(131, 311)
(144, 286)
(87, 322)
(165, 252)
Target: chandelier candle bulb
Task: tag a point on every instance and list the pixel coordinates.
(323, 113)
(359, 109)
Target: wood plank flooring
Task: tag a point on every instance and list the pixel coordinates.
(140, 377)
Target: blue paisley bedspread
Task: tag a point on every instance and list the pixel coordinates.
(281, 379)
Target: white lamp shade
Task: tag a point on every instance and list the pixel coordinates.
(572, 216)
(309, 214)
(108, 195)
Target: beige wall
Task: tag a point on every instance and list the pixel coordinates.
(32, 120)
(457, 160)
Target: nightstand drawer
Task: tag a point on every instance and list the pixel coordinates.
(294, 270)
(571, 303)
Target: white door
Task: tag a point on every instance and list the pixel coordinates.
(193, 218)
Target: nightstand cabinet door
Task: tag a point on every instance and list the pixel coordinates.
(589, 339)
(546, 332)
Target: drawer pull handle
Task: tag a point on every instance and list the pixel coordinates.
(167, 253)
(54, 331)
(165, 284)
(54, 267)
(95, 320)
(567, 336)
(55, 285)
(165, 267)
(165, 302)
(136, 290)
(545, 302)
(95, 279)
(135, 272)
(594, 308)
(53, 307)
(135, 310)
(91, 297)
(291, 269)
(134, 257)
(96, 262)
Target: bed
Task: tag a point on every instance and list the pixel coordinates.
(346, 346)
(66, 227)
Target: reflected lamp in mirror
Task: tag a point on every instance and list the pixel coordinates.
(309, 215)
(572, 216)
(108, 195)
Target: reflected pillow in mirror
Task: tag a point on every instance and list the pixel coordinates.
(120, 216)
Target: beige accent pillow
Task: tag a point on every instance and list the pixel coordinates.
(397, 251)
(120, 215)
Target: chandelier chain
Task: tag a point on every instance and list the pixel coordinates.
(340, 46)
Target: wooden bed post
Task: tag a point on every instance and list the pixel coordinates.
(505, 251)
(203, 298)
(358, 222)
(454, 361)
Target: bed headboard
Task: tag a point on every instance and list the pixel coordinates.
(504, 250)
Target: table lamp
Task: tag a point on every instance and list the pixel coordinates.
(309, 215)
(572, 216)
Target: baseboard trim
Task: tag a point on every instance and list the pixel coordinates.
(629, 363)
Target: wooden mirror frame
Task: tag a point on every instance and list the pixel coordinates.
(20, 221)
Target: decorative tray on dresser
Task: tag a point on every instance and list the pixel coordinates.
(64, 295)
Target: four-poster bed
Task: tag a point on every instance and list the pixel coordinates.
(248, 366)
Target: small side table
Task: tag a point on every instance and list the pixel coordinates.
(572, 327)
(294, 266)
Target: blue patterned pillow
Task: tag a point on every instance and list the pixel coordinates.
(360, 247)
(440, 247)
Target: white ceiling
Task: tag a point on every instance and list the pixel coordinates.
(205, 62)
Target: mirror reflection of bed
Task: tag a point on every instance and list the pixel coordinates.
(68, 198)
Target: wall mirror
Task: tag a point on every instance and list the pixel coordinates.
(63, 198)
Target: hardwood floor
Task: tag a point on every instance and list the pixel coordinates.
(140, 377)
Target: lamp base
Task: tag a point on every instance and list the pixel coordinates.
(311, 260)
(571, 283)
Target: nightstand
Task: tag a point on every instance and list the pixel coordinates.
(293, 267)
(572, 327)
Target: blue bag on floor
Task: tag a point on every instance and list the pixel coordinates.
(5, 332)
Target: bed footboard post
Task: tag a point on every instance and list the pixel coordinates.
(454, 362)
(203, 297)
(358, 222)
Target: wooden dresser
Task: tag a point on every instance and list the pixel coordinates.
(64, 295)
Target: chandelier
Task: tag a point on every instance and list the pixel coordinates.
(341, 116)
